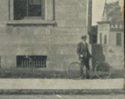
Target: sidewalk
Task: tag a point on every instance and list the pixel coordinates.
(60, 86)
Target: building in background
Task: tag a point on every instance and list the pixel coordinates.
(110, 37)
(111, 28)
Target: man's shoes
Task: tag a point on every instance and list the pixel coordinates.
(85, 77)
(82, 77)
(88, 77)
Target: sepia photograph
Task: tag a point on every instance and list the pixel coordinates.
(69, 49)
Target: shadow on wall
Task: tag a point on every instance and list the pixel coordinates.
(98, 55)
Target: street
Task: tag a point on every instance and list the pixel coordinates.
(112, 96)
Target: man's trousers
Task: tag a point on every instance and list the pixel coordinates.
(84, 63)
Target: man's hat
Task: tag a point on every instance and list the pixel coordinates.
(84, 37)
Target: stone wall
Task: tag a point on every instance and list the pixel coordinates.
(71, 13)
(57, 41)
(110, 55)
(113, 38)
(59, 44)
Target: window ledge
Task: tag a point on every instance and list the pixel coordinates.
(31, 22)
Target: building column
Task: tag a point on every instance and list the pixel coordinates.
(49, 10)
(89, 17)
(11, 9)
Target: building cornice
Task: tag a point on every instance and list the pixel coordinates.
(101, 22)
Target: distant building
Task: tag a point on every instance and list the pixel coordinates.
(111, 27)
(110, 36)
(42, 33)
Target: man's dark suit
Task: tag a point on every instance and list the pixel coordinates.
(84, 56)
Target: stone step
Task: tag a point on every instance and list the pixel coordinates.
(61, 84)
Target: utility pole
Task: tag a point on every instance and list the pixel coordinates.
(89, 17)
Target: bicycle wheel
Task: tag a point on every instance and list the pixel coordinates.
(74, 70)
(103, 71)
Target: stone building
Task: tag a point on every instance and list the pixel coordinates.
(110, 35)
(111, 28)
(42, 33)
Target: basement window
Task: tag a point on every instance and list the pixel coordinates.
(31, 61)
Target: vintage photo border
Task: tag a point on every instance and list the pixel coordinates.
(61, 91)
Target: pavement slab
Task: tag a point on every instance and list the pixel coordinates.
(61, 86)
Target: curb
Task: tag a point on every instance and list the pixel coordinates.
(61, 92)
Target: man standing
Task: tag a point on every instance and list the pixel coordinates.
(84, 56)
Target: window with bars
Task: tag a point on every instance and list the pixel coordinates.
(31, 61)
(28, 8)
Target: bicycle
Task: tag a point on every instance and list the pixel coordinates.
(101, 70)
